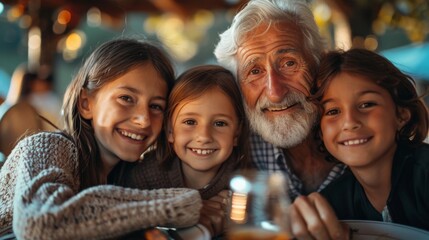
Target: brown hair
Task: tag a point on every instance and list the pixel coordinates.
(108, 62)
(192, 84)
(377, 68)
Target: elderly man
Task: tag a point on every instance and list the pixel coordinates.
(274, 48)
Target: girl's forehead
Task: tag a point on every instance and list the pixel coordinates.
(208, 97)
(345, 84)
(142, 78)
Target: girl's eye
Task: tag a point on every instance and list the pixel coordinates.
(157, 107)
(220, 124)
(189, 122)
(331, 112)
(126, 98)
(367, 104)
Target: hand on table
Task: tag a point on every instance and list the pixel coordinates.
(213, 213)
(311, 217)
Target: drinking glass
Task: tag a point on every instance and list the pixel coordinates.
(258, 206)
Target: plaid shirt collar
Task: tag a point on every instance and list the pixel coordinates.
(270, 158)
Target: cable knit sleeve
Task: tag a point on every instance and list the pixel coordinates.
(47, 204)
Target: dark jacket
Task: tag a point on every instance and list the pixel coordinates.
(408, 201)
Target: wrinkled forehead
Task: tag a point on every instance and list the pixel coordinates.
(260, 31)
(270, 40)
(267, 37)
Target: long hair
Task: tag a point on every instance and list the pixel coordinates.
(194, 83)
(269, 12)
(401, 87)
(108, 62)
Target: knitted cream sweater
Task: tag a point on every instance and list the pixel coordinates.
(39, 193)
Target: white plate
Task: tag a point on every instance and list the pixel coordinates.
(373, 230)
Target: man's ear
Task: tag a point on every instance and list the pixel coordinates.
(404, 116)
(84, 105)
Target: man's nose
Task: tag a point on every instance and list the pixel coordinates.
(275, 87)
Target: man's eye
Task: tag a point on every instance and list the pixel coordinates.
(290, 66)
(254, 76)
(254, 71)
(290, 63)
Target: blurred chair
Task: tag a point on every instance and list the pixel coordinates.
(16, 120)
(17, 116)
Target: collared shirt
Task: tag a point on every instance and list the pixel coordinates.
(385, 214)
(270, 158)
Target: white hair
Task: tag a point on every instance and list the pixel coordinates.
(258, 12)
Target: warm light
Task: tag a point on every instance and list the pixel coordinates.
(172, 23)
(59, 28)
(15, 12)
(34, 47)
(238, 207)
(181, 48)
(64, 17)
(386, 13)
(371, 43)
(73, 42)
(378, 27)
(34, 39)
(203, 18)
(25, 21)
(71, 45)
(342, 35)
(93, 17)
(322, 14)
(181, 36)
(151, 24)
(69, 56)
(358, 42)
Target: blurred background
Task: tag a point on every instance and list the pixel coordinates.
(52, 37)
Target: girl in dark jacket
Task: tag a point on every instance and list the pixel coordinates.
(373, 121)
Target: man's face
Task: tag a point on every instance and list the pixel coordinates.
(274, 76)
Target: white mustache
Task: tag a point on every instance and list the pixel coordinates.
(290, 99)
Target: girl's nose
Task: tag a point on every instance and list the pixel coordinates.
(203, 134)
(142, 118)
(351, 120)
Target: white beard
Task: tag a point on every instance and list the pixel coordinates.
(289, 129)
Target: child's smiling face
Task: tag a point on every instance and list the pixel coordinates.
(127, 113)
(204, 131)
(360, 121)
